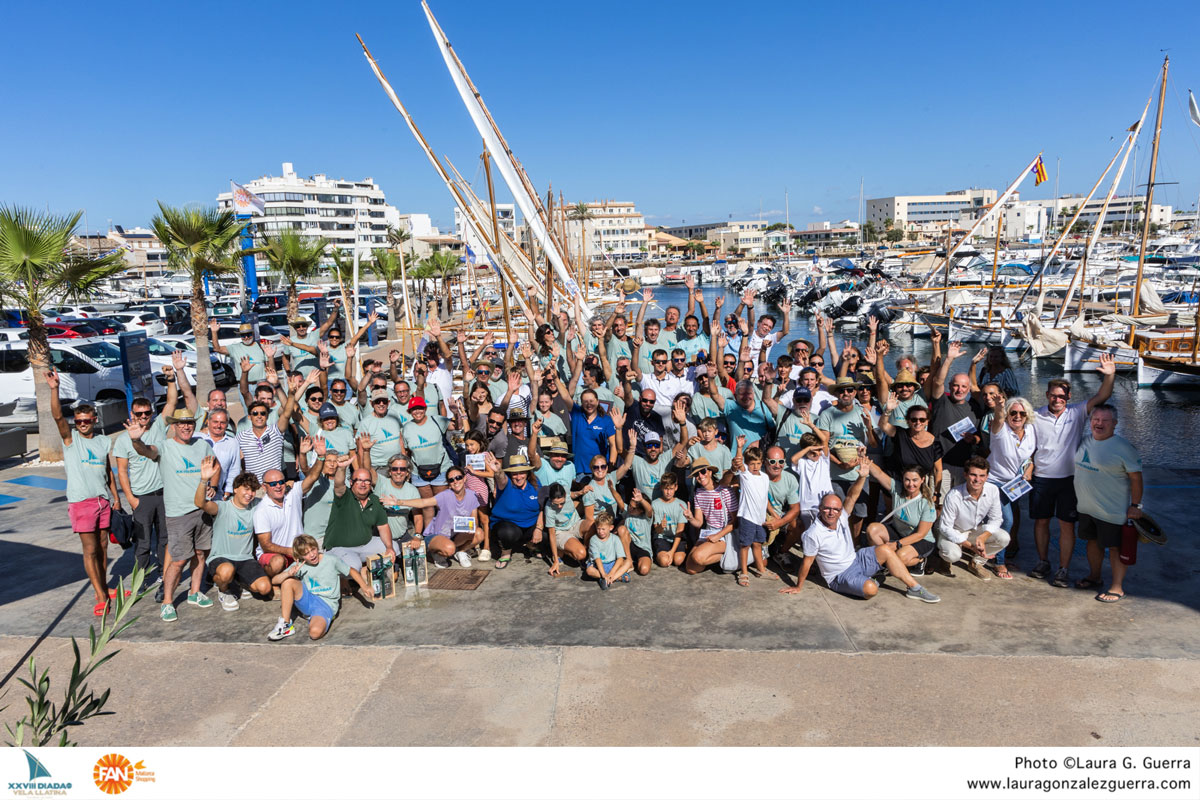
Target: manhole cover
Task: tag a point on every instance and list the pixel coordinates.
(457, 578)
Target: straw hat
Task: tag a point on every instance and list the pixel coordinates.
(518, 463)
(554, 446)
(844, 383)
(182, 415)
(629, 286)
(1149, 530)
(905, 376)
(701, 463)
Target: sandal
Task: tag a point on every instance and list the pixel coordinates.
(100, 609)
(625, 578)
(743, 579)
(1110, 597)
(1002, 572)
(1088, 583)
(502, 561)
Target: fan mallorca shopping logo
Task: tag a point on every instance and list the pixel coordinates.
(40, 784)
(114, 774)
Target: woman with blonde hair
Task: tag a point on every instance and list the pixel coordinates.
(1013, 442)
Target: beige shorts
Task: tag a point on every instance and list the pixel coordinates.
(563, 535)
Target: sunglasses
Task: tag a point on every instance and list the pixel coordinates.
(454, 478)
(316, 398)
(334, 339)
(846, 390)
(649, 402)
(1016, 413)
(380, 400)
(679, 359)
(273, 483)
(812, 363)
(399, 469)
(776, 461)
(89, 420)
(918, 419)
(141, 414)
(654, 445)
(484, 372)
(599, 467)
(659, 361)
(1057, 396)
(252, 413)
(337, 391)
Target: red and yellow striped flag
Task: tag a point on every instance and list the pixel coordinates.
(1039, 172)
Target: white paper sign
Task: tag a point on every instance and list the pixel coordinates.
(476, 461)
(464, 524)
(961, 428)
(1017, 487)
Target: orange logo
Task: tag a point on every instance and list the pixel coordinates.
(113, 773)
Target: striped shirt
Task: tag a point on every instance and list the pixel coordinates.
(260, 455)
(718, 506)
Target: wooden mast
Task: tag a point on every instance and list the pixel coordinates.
(995, 264)
(1137, 286)
(487, 170)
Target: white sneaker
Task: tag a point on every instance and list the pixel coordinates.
(246, 595)
(441, 562)
(227, 601)
(485, 555)
(282, 630)
(463, 559)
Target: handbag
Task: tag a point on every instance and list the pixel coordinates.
(120, 531)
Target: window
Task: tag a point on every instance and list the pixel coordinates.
(14, 360)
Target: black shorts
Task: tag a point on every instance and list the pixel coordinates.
(1053, 497)
(661, 545)
(1090, 529)
(244, 572)
(637, 553)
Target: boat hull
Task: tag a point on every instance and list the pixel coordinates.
(1079, 356)
(1160, 372)
(993, 337)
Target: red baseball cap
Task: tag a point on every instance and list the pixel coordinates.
(416, 402)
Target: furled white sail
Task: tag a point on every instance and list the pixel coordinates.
(503, 158)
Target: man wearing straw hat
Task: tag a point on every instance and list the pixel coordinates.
(297, 359)
(846, 424)
(245, 348)
(189, 535)
(556, 467)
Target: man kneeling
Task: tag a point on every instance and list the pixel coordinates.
(970, 520)
(828, 542)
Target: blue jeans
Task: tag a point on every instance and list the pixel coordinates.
(1010, 512)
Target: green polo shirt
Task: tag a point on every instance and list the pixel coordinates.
(351, 524)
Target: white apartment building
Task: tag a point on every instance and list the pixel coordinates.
(506, 218)
(702, 230)
(1020, 221)
(1120, 209)
(617, 230)
(747, 241)
(143, 252)
(910, 212)
(350, 214)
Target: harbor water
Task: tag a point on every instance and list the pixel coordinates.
(1160, 423)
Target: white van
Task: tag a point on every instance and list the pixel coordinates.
(88, 369)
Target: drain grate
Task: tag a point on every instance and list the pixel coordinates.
(468, 579)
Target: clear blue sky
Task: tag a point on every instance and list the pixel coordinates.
(693, 110)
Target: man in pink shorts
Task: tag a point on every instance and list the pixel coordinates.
(91, 489)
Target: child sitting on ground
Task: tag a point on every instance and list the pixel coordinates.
(752, 511)
(312, 587)
(608, 560)
(670, 516)
(638, 522)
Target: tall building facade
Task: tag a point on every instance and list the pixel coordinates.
(916, 210)
(350, 214)
(616, 230)
(506, 218)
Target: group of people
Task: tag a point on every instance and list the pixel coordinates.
(620, 444)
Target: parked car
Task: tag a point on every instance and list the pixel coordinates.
(273, 301)
(141, 321)
(75, 329)
(161, 352)
(169, 313)
(106, 326)
(88, 370)
(222, 370)
(13, 334)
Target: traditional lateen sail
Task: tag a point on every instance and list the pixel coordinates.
(518, 184)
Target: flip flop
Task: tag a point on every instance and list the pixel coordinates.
(1005, 575)
(743, 580)
(1110, 597)
(100, 609)
(502, 562)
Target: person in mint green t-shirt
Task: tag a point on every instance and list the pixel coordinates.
(179, 458)
(142, 484)
(91, 489)
(313, 587)
(232, 554)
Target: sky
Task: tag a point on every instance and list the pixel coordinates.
(696, 111)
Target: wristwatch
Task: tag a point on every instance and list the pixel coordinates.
(1135, 505)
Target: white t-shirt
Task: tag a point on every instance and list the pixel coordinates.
(1057, 440)
(822, 400)
(833, 550)
(1008, 456)
(665, 391)
(814, 481)
(752, 505)
(284, 522)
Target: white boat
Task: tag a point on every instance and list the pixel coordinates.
(1081, 356)
(995, 336)
(1163, 372)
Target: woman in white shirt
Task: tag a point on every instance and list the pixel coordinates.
(1013, 443)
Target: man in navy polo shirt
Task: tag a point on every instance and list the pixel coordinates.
(592, 433)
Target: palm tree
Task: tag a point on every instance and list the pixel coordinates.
(421, 272)
(199, 240)
(396, 237)
(581, 213)
(387, 265)
(443, 265)
(294, 257)
(36, 268)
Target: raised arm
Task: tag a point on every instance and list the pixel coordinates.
(938, 387)
(1108, 369)
(209, 469)
(213, 343)
(64, 428)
